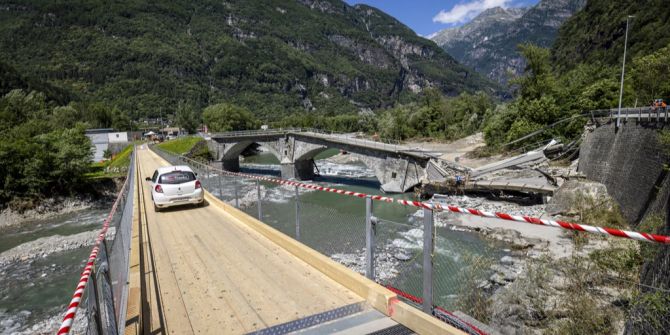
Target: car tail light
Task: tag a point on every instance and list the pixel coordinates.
(197, 184)
(159, 189)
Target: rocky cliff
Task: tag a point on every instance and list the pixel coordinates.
(489, 42)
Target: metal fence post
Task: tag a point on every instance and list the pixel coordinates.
(297, 213)
(94, 288)
(428, 240)
(209, 181)
(237, 198)
(260, 203)
(220, 186)
(369, 240)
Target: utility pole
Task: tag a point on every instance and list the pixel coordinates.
(623, 70)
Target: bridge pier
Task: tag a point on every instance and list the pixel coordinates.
(301, 170)
(232, 165)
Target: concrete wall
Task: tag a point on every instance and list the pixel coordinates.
(628, 161)
(99, 144)
(631, 163)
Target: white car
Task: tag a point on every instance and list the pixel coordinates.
(174, 186)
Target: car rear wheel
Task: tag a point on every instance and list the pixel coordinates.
(156, 209)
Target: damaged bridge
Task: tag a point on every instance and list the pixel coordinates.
(397, 168)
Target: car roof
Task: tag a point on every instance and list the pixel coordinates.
(166, 169)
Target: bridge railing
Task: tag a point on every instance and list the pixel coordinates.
(102, 290)
(348, 138)
(433, 264)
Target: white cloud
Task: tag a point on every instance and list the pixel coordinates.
(467, 11)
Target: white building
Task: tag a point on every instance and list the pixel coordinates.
(105, 138)
(121, 137)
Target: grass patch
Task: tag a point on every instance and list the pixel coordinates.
(181, 145)
(599, 212)
(115, 167)
(122, 159)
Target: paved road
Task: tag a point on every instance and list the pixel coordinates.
(216, 275)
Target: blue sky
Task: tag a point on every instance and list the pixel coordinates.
(428, 16)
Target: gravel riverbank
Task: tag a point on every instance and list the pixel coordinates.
(45, 246)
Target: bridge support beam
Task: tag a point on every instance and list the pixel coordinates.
(301, 170)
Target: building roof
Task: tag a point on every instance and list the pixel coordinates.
(99, 130)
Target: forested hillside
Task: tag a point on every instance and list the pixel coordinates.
(273, 57)
(596, 34)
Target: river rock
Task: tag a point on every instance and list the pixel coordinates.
(498, 279)
(573, 192)
(402, 255)
(508, 274)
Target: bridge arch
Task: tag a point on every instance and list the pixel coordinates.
(394, 175)
(397, 169)
(231, 156)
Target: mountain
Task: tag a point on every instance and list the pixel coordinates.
(274, 57)
(597, 33)
(11, 79)
(489, 42)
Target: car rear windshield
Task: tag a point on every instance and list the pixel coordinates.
(176, 177)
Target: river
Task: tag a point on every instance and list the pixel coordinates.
(335, 225)
(37, 288)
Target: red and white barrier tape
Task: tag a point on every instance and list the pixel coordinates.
(66, 325)
(646, 237)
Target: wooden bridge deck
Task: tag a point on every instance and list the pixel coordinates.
(206, 272)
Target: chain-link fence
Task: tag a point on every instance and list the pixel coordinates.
(104, 298)
(453, 273)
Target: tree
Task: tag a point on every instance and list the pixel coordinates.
(17, 106)
(650, 75)
(186, 118)
(228, 117)
(538, 79)
(65, 116)
(120, 120)
(43, 150)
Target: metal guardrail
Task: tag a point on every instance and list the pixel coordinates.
(650, 113)
(102, 291)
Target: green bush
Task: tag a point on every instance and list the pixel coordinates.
(226, 117)
(39, 157)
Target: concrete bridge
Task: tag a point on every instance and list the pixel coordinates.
(397, 168)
